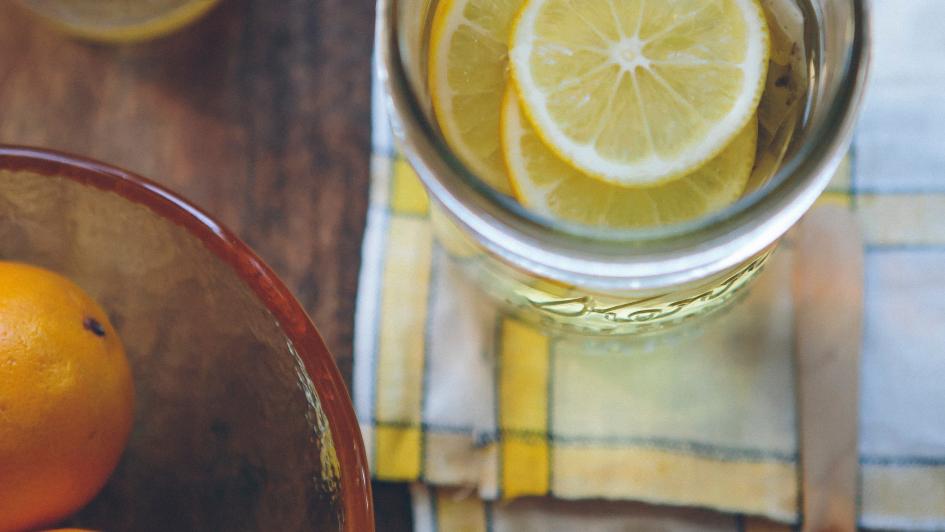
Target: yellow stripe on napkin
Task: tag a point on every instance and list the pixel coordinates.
(398, 444)
(457, 513)
(839, 190)
(398, 452)
(836, 198)
(523, 410)
(408, 195)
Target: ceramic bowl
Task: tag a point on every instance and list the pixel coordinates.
(242, 419)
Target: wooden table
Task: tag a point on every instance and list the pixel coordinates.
(259, 113)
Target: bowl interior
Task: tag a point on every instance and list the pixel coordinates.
(230, 432)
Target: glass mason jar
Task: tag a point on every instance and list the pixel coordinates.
(119, 20)
(629, 281)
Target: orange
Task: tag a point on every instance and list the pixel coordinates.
(66, 397)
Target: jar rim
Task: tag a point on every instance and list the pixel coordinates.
(626, 258)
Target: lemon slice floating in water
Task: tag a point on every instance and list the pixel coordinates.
(547, 185)
(468, 66)
(639, 92)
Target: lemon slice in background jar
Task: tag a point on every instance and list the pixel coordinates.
(547, 185)
(639, 92)
(468, 66)
(119, 21)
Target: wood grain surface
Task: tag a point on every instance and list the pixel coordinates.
(259, 113)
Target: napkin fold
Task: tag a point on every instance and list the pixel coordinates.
(454, 510)
(484, 409)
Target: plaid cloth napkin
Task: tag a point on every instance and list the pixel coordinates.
(483, 409)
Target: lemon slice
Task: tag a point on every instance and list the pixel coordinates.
(638, 92)
(468, 66)
(547, 185)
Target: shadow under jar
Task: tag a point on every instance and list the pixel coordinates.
(604, 281)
